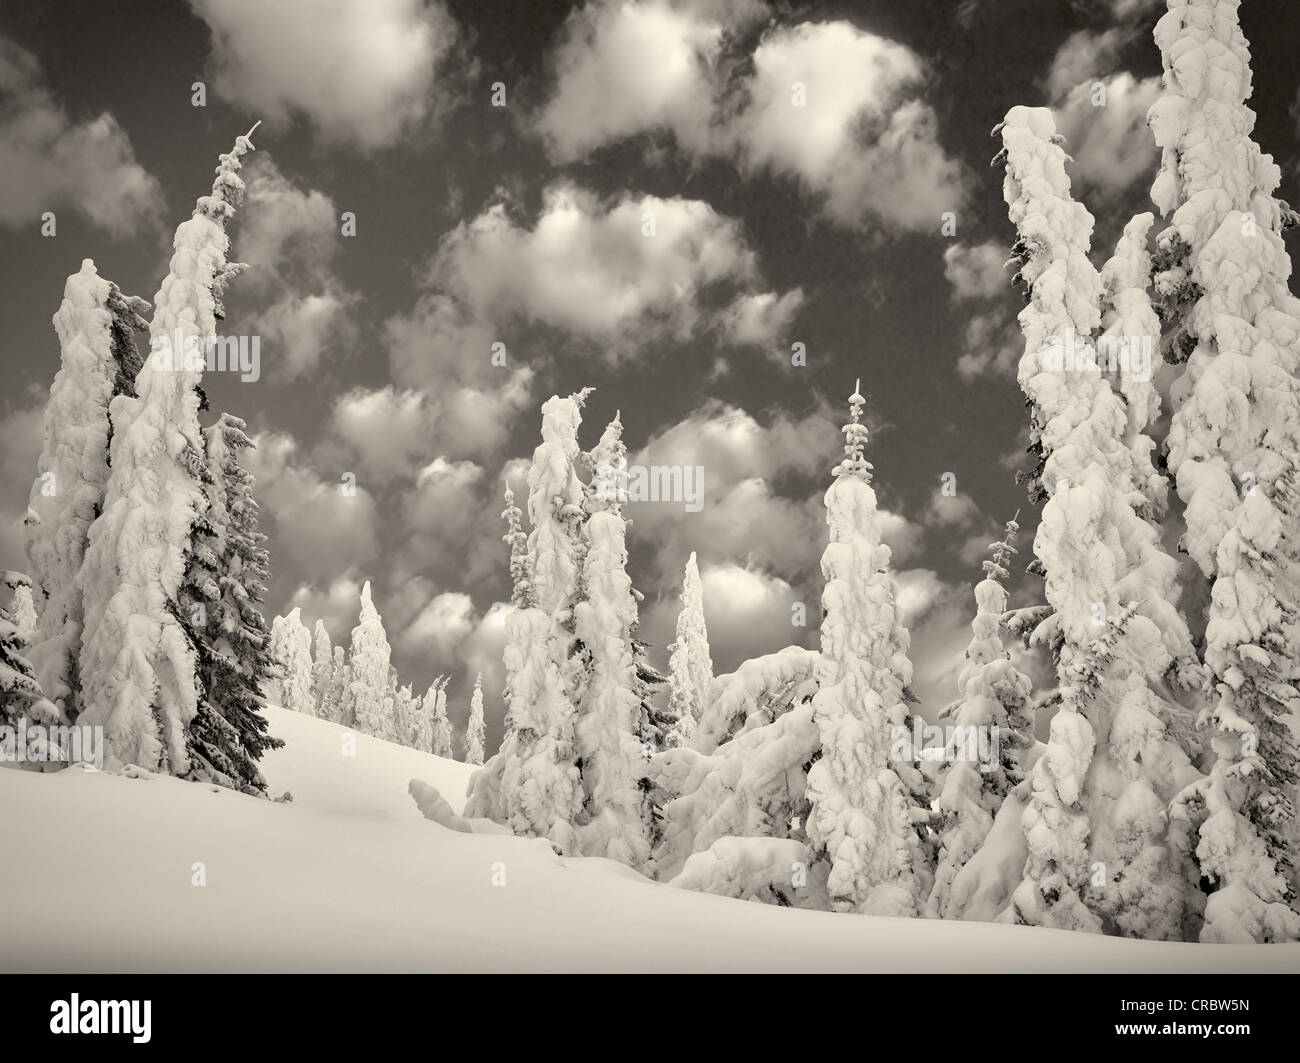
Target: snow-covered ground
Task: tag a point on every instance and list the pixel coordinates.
(99, 874)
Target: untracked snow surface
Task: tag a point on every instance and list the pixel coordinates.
(100, 874)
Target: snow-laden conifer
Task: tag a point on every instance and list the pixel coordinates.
(862, 819)
(690, 665)
(994, 702)
(475, 728)
(138, 661)
(1233, 443)
(369, 657)
(98, 359)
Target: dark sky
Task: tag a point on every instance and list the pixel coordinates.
(876, 301)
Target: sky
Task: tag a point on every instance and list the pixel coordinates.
(501, 161)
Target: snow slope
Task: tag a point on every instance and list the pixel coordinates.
(99, 869)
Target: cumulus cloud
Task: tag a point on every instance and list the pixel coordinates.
(748, 612)
(362, 72)
(763, 320)
(993, 346)
(1101, 112)
(762, 493)
(594, 269)
(53, 162)
(289, 236)
(975, 272)
(1111, 146)
(623, 69)
(320, 525)
(858, 137)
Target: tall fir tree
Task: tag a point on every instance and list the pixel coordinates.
(291, 650)
(98, 360)
(690, 665)
(995, 701)
(1101, 788)
(475, 729)
(862, 819)
(138, 662)
(322, 668)
(1234, 437)
(615, 817)
(229, 733)
(370, 655)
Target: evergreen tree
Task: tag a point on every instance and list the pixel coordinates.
(322, 669)
(1101, 555)
(138, 664)
(20, 693)
(1222, 271)
(690, 666)
(404, 709)
(539, 792)
(862, 819)
(475, 728)
(24, 611)
(438, 717)
(615, 818)
(422, 723)
(291, 650)
(229, 732)
(98, 359)
(372, 705)
(995, 700)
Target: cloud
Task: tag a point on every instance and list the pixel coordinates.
(1103, 114)
(52, 162)
(320, 527)
(993, 345)
(628, 68)
(763, 320)
(362, 72)
(747, 612)
(975, 272)
(444, 622)
(751, 470)
(598, 270)
(339, 605)
(298, 329)
(861, 141)
(1085, 57)
(382, 434)
(1111, 146)
(289, 236)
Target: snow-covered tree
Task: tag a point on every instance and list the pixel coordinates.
(862, 819)
(404, 709)
(1102, 558)
(422, 724)
(1222, 272)
(24, 611)
(138, 660)
(20, 693)
(995, 701)
(291, 649)
(475, 729)
(690, 665)
(533, 783)
(372, 706)
(322, 668)
(96, 326)
(615, 817)
(435, 704)
(235, 659)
